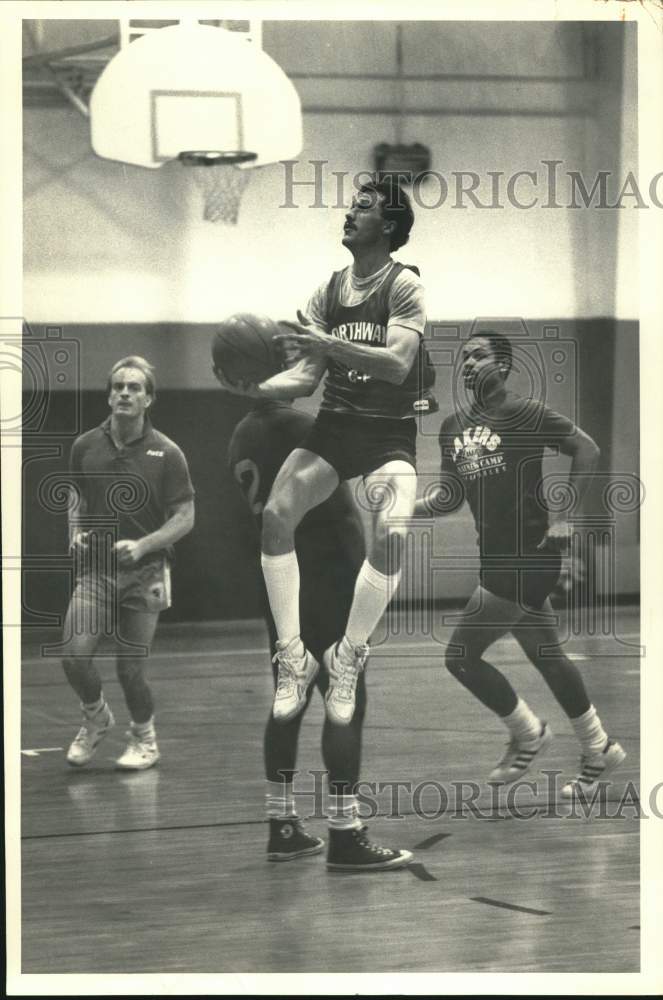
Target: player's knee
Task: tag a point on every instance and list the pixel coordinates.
(279, 516)
(389, 538)
(553, 668)
(456, 662)
(69, 664)
(272, 521)
(130, 672)
(74, 662)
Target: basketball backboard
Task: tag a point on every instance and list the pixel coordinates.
(194, 86)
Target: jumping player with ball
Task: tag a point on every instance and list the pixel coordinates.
(363, 329)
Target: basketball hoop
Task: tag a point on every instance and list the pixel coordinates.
(204, 90)
(221, 179)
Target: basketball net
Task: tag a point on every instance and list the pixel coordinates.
(222, 186)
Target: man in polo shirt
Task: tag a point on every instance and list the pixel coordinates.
(132, 500)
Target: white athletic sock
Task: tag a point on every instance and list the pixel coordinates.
(590, 732)
(145, 730)
(373, 592)
(93, 707)
(282, 581)
(523, 723)
(280, 800)
(343, 812)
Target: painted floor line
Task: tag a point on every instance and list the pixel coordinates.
(421, 872)
(36, 661)
(509, 906)
(430, 841)
(393, 649)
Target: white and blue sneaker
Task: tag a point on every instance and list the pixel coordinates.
(520, 756)
(595, 768)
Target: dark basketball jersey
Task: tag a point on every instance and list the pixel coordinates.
(348, 390)
(331, 533)
(496, 453)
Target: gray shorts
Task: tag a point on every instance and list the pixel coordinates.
(145, 587)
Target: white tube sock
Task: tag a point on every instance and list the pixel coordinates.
(94, 707)
(280, 800)
(373, 592)
(522, 722)
(590, 732)
(343, 812)
(144, 730)
(281, 575)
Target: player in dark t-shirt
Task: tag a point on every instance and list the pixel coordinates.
(132, 500)
(492, 453)
(329, 544)
(496, 452)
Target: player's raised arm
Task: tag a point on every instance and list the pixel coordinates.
(247, 360)
(391, 363)
(300, 380)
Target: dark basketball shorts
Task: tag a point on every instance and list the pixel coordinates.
(357, 446)
(145, 587)
(527, 581)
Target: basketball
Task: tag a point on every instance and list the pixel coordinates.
(244, 348)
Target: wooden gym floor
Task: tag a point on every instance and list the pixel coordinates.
(165, 870)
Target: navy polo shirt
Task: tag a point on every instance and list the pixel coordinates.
(133, 486)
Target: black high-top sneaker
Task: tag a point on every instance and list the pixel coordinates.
(289, 840)
(351, 850)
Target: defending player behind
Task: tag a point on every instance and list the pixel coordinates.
(492, 457)
(136, 480)
(330, 550)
